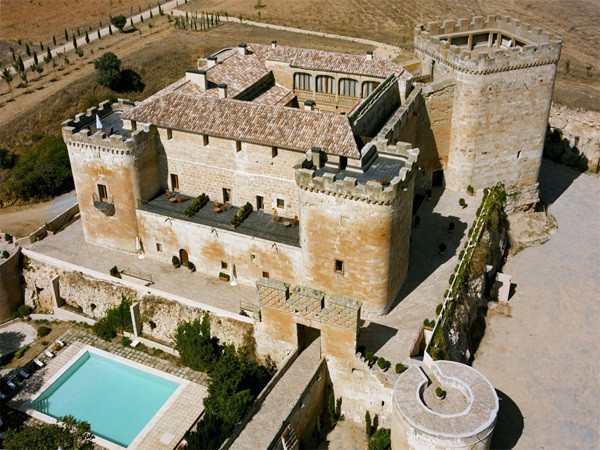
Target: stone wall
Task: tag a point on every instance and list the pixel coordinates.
(10, 281)
(92, 297)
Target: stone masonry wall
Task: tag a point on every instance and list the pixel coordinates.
(160, 317)
(10, 282)
(249, 172)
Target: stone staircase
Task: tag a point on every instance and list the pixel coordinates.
(289, 440)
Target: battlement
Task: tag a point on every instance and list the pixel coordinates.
(308, 303)
(112, 137)
(367, 186)
(487, 44)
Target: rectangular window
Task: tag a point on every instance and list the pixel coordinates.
(339, 266)
(169, 133)
(274, 152)
(519, 155)
(326, 84)
(303, 81)
(224, 265)
(343, 162)
(174, 182)
(265, 274)
(226, 195)
(205, 140)
(260, 203)
(348, 87)
(238, 146)
(102, 192)
(280, 203)
(159, 247)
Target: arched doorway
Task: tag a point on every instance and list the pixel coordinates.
(183, 257)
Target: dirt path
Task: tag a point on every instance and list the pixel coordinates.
(541, 353)
(22, 221)
(381, 50)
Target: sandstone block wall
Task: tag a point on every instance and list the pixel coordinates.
(248, 170)
(10, 284)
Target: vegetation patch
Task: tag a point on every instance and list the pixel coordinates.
(70, 434)
(116, 321)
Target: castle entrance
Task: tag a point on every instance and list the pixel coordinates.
(437, 178)
(183, 257)
(306, 336)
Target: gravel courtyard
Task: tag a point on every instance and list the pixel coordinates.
(541, 352)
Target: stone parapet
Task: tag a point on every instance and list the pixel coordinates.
(540, 47)
(371, 192)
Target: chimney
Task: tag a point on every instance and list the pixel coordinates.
(198, 77)
(211, 61)
(222, 90)
(243, 49)
(316, 157)
(309, 105)
(273, 44)
(369, 55)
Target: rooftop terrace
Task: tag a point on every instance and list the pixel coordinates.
(257, 224)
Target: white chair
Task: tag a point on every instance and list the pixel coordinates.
(59, 342)
(10, 384)
(38, 363)
(48, 353)
(23, 373)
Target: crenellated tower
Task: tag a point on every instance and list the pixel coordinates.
(114, 167)
(504, 72)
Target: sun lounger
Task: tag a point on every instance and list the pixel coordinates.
(59, 342)
(135, 343)
(48, 353)
(23, 373)
(2, 396)
(38, 363)
(10, 384)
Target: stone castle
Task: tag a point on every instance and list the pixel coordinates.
(329, 152)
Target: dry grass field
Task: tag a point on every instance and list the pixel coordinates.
(393, 21)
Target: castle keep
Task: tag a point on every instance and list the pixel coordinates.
(327, 149)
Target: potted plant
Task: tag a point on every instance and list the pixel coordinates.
(382, 363)
(191, 266)
(175, 261)
(114, 271)
(235, 221)
(224, 276)
(462, 203)
(440, 393)
(400, 368)
(442, 249)
(470, 190)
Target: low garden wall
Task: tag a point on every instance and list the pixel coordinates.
(460, 323)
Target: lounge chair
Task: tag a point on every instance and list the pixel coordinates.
(23, 373)
(10, 384)
(38, 363)
(59, 342)
(48, 353)
(2, 396)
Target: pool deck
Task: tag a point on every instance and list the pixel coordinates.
(165, 430)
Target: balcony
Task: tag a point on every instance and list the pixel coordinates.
(257, 224)
(105, 205)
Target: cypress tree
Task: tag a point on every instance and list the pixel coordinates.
(78, 32)
(74, 42)
(35, 58)
(27, 49)
(49, 54)
(20, 64)
(151, 16)
(141, 18)
(54, 40)
(87, 38)
(66, 35)
(99, 35)
(109, 29)
(41, 46)
(131, 21)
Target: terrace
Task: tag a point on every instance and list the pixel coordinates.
(257, 224)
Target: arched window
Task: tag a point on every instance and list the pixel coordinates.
(368, 87)
(348, 87)
(303, 81)
(326, 84)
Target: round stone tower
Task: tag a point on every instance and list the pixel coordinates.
(504, 73)
(443, 405)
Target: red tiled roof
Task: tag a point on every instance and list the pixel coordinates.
(289, 128)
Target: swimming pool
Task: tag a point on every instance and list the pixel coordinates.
(117, 399)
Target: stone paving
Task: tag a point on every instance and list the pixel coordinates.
(541, 351)
(15, 335)
(69, 245)
(394, 335)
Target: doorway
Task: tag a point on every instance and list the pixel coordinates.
(437, 178)
(183, 257)
(226, 195)
(306, 336)
(260, 203)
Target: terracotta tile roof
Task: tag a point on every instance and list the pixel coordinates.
(276, 95)
(289, 128)
(239, 72)
(310, 59)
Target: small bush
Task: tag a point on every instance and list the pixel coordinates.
(368, 424)
(175, 261)
(462, 202)
(125, 341)
(45, 343)
(19, 353)
(191, 266)
(5, 254)
(114, 271)
(43, 331)
(470, 189)
(439, 392)
(382, 363)
(23, 311)
(7, 158)
(8, 238)
(438, 309)
(400, 368)
(104, 330)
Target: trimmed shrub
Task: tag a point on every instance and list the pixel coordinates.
(114, 271)
(125, 341)
(19, 353)
(438, 309)
(196, 205)
(191, 266)
(400, 368)
(470, 189)
(8, 238)
(381, 440)
(368, 424)
(43, 331)
(382, 363)
(5, 254)
(462, 203)
(439, 392)
(175, 261)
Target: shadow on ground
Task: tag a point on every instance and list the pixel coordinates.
(10, 341)
(510, 423)
(376, 335)
(555, 179)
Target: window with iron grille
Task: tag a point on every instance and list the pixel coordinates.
(348, 87)
(326, 84)
(303, 81)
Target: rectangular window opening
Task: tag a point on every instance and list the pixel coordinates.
(273, 152)
(226, 195)
(260, 203)
(238, 146)
(224, 265)
(280, 203)
(343, 162)
(174, 182)
(102, 192)
(159, 247)
(169, 133)
(265, 274)
(339, 266)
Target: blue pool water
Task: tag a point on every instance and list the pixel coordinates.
(116, 399)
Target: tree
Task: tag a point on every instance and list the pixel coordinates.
(74, 42)
(109, 29)
(368, 424)
(27, 49)
(35, 58)
(66, 35)
(119, 21)
(49, 54)
(87, 38)
(99, 35)
(108, 70)
(195, 345)
(7, 158)
(54, 40)
(70, 434)
(8, 78)
(381, 440)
